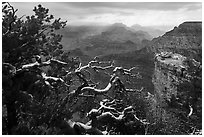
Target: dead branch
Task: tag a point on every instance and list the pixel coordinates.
(90, 65)
(120, 117)
(134, 90)
(107, 102)
(110, 85)
(38, 63)
(47, 78)
(191, 111)
(81, 95)
(31, 65)
(80, 68)
(104, 108)
(101, 91)
(97, 91)
(123, 71)
(57, 61)
(107, 108)
(102, 68)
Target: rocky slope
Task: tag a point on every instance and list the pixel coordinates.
(177, 105)
(186, 39)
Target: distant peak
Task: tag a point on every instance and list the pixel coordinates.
(119, 25)
(136, 25)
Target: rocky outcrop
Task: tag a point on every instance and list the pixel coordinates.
(174, 71)
(178, 92)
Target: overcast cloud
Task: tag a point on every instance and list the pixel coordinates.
(143, 13)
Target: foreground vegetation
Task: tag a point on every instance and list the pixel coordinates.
(43, 87)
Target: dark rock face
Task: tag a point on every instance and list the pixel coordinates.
(178, 92)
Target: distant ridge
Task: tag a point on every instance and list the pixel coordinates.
(191, 23)
(186, 39)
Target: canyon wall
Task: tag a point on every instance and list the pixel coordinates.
(177, 101)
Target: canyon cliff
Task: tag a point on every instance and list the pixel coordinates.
(177, 101)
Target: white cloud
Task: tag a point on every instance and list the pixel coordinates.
(147, 14)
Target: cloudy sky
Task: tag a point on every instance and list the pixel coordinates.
(163, 15)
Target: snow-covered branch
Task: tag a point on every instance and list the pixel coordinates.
(101, 91)
(51, 78)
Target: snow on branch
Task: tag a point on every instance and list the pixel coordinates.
(101, 91)
(51, 78)
(31, 65)
(38, 63)
(110, 114)
(58, 62)
(191, 111)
